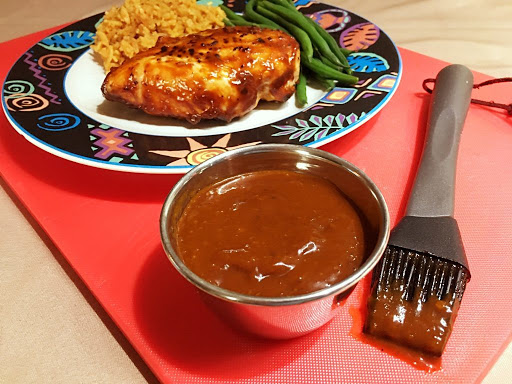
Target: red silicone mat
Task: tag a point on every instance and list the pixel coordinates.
(106, 225)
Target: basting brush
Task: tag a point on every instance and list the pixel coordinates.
(417, 286)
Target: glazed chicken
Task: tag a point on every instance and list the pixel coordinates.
(215, 74)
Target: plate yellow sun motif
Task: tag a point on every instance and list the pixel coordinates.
(199, 152)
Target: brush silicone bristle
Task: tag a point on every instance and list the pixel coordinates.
(414, 299)
(428, 274)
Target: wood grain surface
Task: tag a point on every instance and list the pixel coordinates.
(51, 328)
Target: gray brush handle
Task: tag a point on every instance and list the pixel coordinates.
(434, 186)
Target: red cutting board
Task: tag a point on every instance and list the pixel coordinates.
(106, 224)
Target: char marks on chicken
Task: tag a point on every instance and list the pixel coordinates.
(214, 74)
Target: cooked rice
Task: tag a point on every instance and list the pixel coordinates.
(137, 24)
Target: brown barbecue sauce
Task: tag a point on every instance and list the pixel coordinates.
(422, 325)
(271, 233)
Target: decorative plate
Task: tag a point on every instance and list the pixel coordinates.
(52, 96)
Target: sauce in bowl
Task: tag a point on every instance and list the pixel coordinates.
(271, 233)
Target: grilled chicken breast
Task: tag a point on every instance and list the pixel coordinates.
(215, 74)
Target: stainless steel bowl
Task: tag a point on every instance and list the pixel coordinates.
(279, 317)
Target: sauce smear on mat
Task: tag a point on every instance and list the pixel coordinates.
(271, 233)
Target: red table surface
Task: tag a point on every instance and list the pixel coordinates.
(106, 225)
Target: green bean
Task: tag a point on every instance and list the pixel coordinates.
(345, 51)
(299, 19)
(329, 73)
(327, 84)
(251, 14)
(340, 53)
(330, 39)
(230, 14)
(228, 23)
(284, 3)
(301, 97)
(236, 19)
(301, 36)
(318, 55)
(245, 23)
(330, 63)
(326, 35)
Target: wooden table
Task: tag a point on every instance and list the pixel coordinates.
(51, 327)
